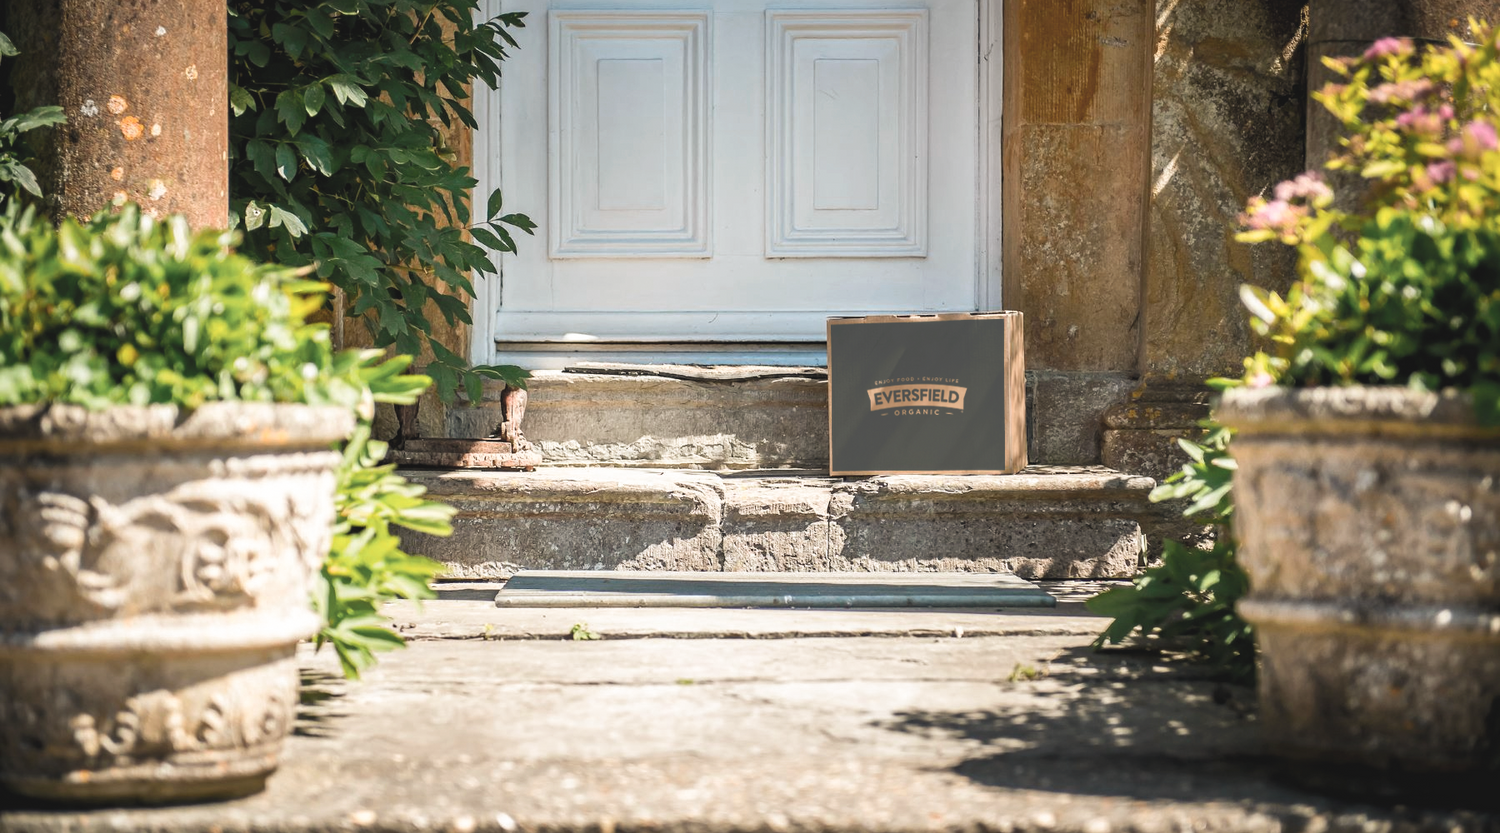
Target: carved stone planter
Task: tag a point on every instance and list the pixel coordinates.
(154, 578)
(1369, 521)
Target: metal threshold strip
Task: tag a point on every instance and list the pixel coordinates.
(548, 588)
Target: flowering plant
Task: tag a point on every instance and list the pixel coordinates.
(1403, 285)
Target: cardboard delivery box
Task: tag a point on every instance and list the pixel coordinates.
(926, 394)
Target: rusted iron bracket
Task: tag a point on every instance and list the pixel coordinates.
(506, 448)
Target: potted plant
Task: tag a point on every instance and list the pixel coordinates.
(1368, 433)
(167, 420)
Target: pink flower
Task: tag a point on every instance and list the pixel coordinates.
(1422, 122)
(1278, 215)
(1388, 46)
(1483, 134)
(1260, 380)
(1440, 172)
(1476, 138)
(1413, 90)
(1308, 186)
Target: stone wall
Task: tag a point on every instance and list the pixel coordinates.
(1227, 123)
(1228, 115)
(1076, 134)
(1076, 141)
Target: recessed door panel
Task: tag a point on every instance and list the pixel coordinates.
(629, 101)
(847, 170)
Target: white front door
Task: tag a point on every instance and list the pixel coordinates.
(735, 171)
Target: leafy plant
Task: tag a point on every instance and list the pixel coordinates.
(1403, 288)
(366, 566)
(15, 175)
(580, 633)
(338, 159)
(1187, 602)
(1206, 479)
(124, 309)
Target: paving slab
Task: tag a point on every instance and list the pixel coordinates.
(973, 734)
(588, 589)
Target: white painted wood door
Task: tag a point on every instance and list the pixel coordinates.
(737, 170)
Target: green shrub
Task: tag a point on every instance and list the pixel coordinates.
(1187, 602)
(1402, 288)
(126, 310)
(337, 159)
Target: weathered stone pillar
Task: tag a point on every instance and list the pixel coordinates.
(1077, 140)
(1227, 123)
(144, 84)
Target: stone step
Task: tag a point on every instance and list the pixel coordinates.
(739, 417)
(722, 418)
(1046, 522)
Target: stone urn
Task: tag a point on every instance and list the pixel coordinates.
(1369, 522)
(155, 570)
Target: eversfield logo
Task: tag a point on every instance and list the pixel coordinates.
(917, 396)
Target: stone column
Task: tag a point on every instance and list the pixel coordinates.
(1077, 140)
(1227, 123)
(144, 84)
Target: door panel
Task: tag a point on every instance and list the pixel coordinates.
(732, 170)
(629, 96)
(848, 134)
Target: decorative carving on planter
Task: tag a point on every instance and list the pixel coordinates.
(229, 541)
(154, 581)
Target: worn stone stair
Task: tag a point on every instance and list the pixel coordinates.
(1043, 523)
(721, 469)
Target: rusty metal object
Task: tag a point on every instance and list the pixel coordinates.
(407, 427)
(146, 91)
(465, 454)
(513, 409)
(505, 448)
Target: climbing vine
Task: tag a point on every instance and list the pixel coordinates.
(17, 180)
(339, 161)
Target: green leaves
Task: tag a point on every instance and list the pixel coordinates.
(16, 176)
(366, 566)
(1187, 602)
(580, 633)
(127, 309)
(1412, 302)
(1403, 288)
(1205, 481)
(339, 131)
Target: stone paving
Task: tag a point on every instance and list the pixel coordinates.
(772, 720)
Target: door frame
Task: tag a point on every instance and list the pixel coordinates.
(484, 306)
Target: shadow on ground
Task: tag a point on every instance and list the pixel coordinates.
(319, 707)
(1132, 726)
